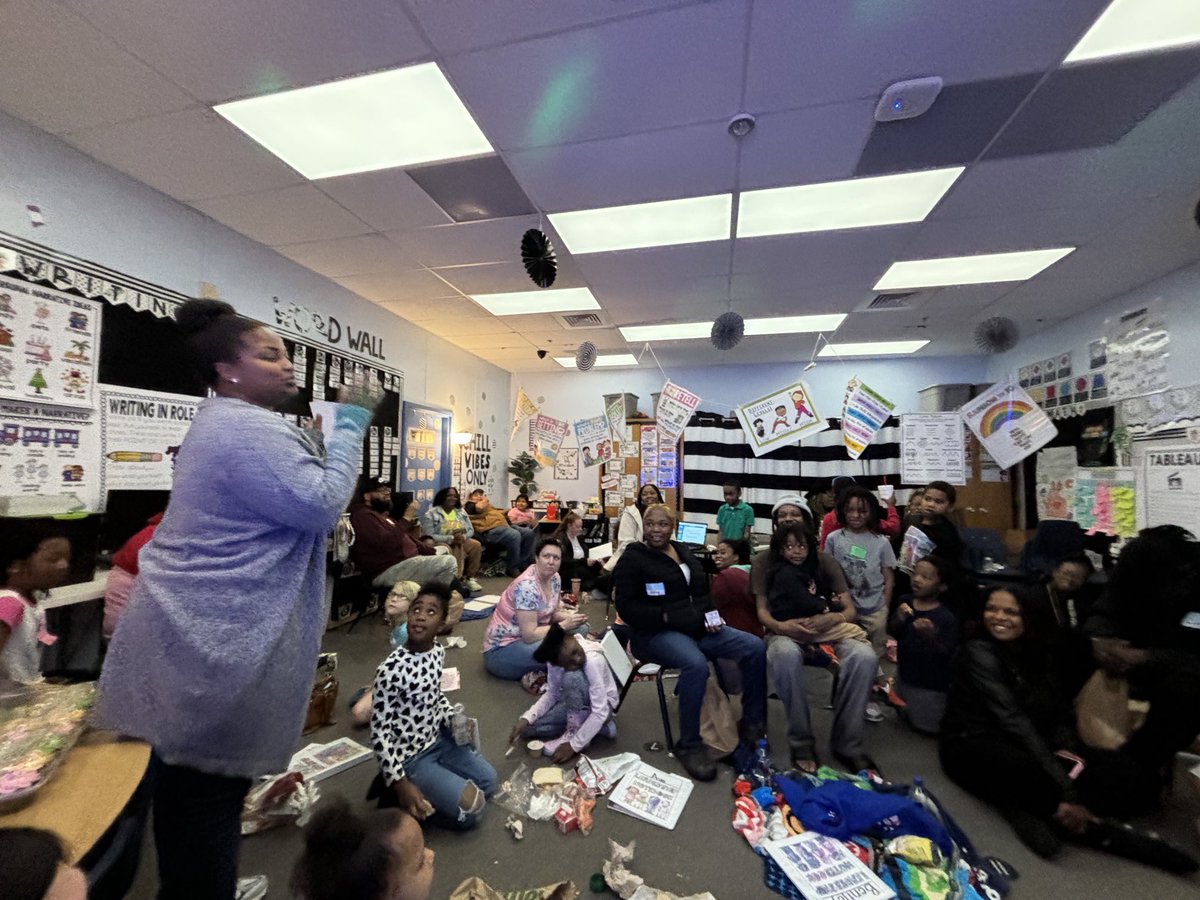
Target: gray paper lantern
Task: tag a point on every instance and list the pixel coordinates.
(997, 334)
(727, 331)
(585, 356)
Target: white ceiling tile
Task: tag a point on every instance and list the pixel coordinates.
(61, 74)
(806, 146)
(634, 168)
(456, 325)
(1034, 230)
(803, 261)
(224, 49)
(366, 254)
(466, 243)
(419, 310)
(192, 154)
(418, 285)
(388, 200)
(820, 51)
(675, 68)
(285, 216)
(499, 278)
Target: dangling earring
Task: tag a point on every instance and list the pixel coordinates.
(233, 380)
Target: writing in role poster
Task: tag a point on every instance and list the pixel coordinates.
(674, 410)
(1008, 423)
(1172, 487)
(932, 448)
(49, 344)
(548, 437)
(50, 450)
(141, 432)
(864, 414)
(780, 418)
(594, 439)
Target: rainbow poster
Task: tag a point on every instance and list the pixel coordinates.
(1009, 425)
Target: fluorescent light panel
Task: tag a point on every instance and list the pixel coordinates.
(401, 117)
(602, 361)
(661, 224)
(984, 268)
(682, 331)
(520, 303)
(872, 348)
(1127, 27)
(856, 203)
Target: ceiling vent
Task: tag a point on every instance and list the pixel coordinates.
(890, 301)
(581, 321)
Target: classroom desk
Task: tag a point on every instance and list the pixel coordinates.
(87, 793)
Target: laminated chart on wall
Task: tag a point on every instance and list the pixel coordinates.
(780, 418)
(1170, 486)
(863, 415)
(1008, 423)
(566, 467)
(141, 432)
(1106, 501)
(649, 446)
(594, 439)
(1056, 483)
(426, 461)
(1138, 346)
(49, 345)
(668, 461)
(49, 459)
(932, 448)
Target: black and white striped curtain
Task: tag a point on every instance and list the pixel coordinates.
(715, 450)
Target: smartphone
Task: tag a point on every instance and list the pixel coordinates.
(712, 619)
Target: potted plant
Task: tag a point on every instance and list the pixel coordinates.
(523, 468)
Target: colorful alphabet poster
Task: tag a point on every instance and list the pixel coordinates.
(49, 345)
(1008, 423)
(49, 454)
(595, 440)
(548, 435)
(674, 410)
(780, 418)
(864, 414)
(141, 432)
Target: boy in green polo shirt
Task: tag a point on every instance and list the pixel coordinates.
(735, 519)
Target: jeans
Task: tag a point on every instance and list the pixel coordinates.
(517, 543)
(421, 569)
(197, 832)
(512, 661)
(442, 772)
(785, 659)
(675, 650)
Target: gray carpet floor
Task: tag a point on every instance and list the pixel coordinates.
(702, 852)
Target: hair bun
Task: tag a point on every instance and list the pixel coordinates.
(195, 316)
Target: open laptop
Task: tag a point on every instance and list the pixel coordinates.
(691, 533)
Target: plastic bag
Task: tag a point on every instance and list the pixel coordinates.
(915, 546)
(278, 800)
(515, 791)
(1102, 712)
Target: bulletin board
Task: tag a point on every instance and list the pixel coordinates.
(654, 462)
(426, 451)
(117, 374)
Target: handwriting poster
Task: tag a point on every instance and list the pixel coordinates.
(780, 418)
(140, 433)
(50, 450)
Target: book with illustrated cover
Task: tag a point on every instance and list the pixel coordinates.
(652, 795)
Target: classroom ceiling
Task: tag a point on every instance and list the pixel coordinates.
(596, 103)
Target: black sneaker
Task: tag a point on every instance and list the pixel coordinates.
(695, 760)
(1033, 831)
(1145, 847)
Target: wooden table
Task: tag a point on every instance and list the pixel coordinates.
(87, 793)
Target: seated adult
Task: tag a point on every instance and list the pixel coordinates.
(629, 526)
(446, 523)
(523, 615)
(1007, 719)
(888, 520)
(575, 562)
(662, 595)
(1146, 628)
(384, 547)
(124, 570)
(491, 527)
(803, 602)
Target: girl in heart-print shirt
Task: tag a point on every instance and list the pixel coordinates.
(422, 769)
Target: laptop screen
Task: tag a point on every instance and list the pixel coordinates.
(691, 533)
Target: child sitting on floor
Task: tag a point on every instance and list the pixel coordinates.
(423, 770)
(580, 699)
(33, 559)
(927, 635)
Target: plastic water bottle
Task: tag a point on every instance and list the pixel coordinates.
(762, 763)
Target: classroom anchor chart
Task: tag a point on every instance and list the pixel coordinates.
(47, 451)
(49, 344)
(141, 432)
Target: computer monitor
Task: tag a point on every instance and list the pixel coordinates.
(691, 533)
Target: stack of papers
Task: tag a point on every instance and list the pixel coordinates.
(652, 795)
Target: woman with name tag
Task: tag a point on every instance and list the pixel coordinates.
(662, 594)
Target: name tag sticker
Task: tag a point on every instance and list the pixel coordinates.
(1191, 620)
(857, 552)
(656, 589)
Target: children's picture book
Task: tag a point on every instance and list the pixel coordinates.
(318, 761)
(822, 869)
(652, 795)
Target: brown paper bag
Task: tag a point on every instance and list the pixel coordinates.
(475, 888)
(718, 727)
(1102, 714)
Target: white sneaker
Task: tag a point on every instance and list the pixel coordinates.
(474, 585)
(873, 713)
(253, 887)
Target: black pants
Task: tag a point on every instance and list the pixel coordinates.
(197, 832)
(1171, 682)
(1003, 772)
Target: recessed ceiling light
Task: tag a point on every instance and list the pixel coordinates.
(872, 348)
(855, 203)
(683, 331)
(611, 359)
(660, 224)
(984, 268)
(1138, 26)
(397, 118)
(520, 303)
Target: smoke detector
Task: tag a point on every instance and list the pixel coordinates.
(908, 99)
